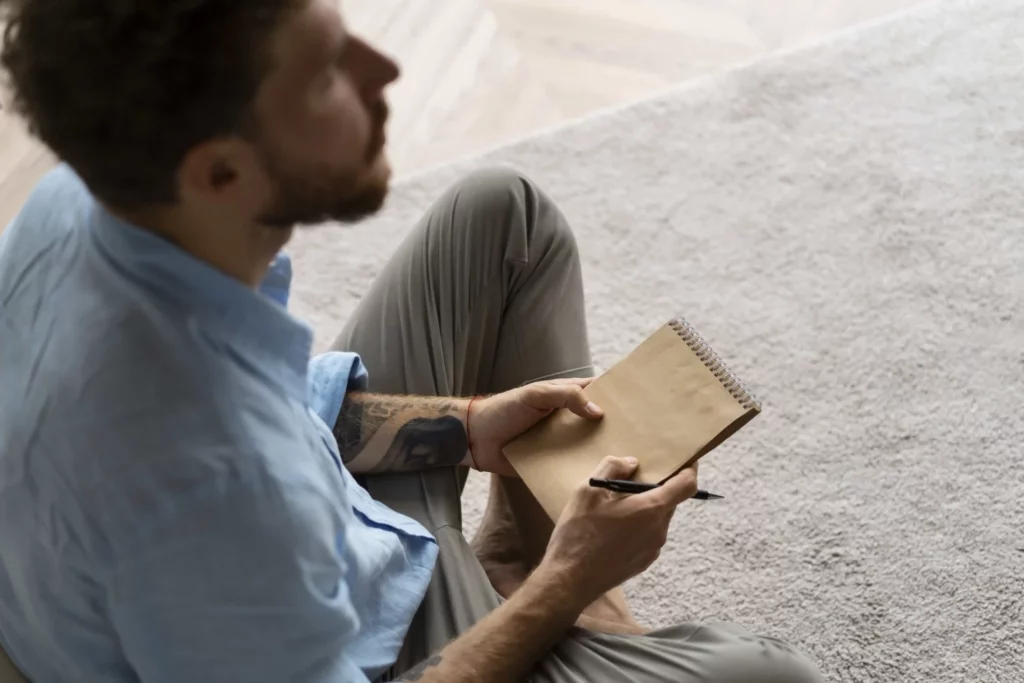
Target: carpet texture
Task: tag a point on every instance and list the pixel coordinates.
(845, 224)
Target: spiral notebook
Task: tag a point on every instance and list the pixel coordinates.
(668, 403)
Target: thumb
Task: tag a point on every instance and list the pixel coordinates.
(615, 468)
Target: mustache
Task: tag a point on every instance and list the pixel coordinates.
(380, 112)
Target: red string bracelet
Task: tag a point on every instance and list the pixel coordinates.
(469, 438)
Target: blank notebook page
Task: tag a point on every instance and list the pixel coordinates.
(667, 403)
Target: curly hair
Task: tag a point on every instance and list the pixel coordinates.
(122, 89)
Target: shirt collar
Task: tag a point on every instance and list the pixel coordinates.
(268, 338)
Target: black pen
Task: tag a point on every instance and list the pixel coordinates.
(626, 486)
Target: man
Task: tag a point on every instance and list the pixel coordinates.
(173, 506)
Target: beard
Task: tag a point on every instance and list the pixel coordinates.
(320, 194)
(317, 193)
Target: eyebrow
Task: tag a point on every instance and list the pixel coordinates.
(323, 52)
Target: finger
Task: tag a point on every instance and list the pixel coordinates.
(578, 381)
(677, 489)
(551, 395)
(615, 468)
(578, 403)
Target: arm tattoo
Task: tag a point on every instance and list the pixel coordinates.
(416, 673)
(385, 433)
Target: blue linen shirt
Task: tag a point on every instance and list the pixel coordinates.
(173, 506)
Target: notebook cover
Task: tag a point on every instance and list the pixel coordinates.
(667, 403)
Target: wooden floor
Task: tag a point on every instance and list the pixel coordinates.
(478, 73)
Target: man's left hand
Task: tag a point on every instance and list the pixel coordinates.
(497, 420)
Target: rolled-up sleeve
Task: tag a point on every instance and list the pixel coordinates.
(331, 375)
(246, 584)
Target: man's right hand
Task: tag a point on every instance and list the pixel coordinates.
(603, 538)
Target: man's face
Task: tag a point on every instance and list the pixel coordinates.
(321, 115)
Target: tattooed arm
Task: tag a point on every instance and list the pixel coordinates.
(387, 433)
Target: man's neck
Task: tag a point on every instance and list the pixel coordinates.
(243, 251)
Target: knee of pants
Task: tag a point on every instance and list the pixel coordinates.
(753, 659)
(503, 198)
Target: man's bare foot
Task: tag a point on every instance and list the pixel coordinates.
(508, 559)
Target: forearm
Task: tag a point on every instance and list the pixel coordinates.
(513, 539)
(388, 433)
(506, 644)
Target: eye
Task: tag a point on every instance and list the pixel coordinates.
(344, 53)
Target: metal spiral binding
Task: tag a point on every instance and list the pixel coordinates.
(714, 363)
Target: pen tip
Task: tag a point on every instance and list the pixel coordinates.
(714, 496)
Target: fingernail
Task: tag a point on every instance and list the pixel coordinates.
(630, 461)
(593, 408)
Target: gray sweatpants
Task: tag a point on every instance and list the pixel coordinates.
(486, 294)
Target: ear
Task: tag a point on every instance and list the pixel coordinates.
(219, 172)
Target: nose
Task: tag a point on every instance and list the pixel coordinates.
(378, 70)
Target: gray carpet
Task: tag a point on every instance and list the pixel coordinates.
(845, 223)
